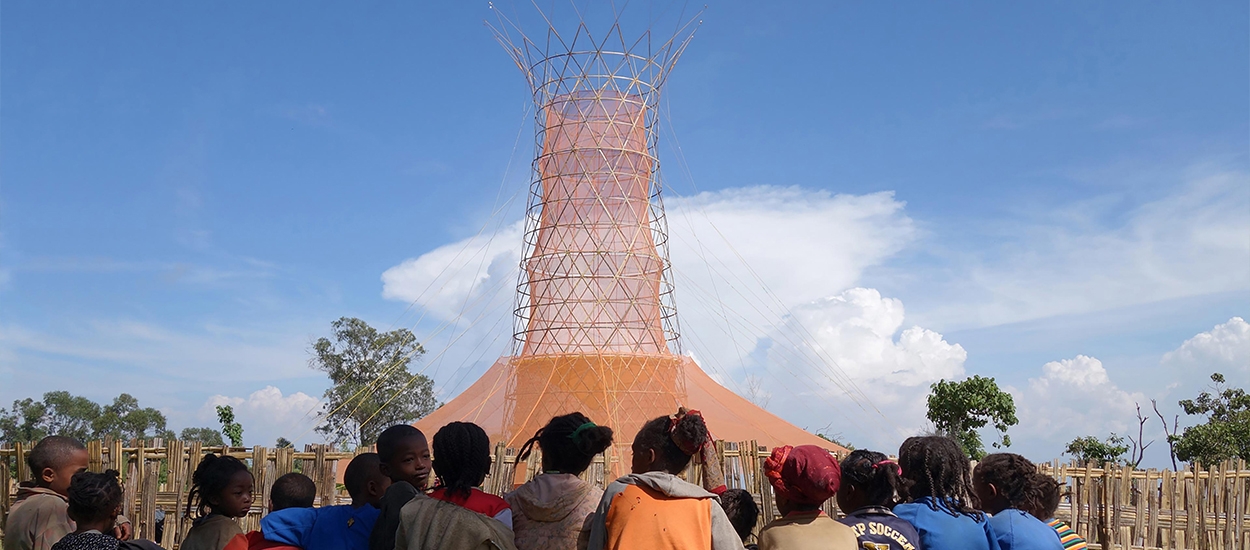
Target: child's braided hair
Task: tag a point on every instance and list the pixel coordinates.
(94, 496)
(663, 433)
(1016, 479)
(211, 477)
(569, 443)
(461, 457)
(935, 466)
(875, 475)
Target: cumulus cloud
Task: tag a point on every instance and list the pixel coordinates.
(266, 414)
(854, 338)
(1075, 393)
(1227, 346)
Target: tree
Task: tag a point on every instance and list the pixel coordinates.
(1170, 432)
(373, 388)
(206, 436)
(231, 429)
(125, 420)
(1226, 433)
(24, 422)
(959, 409)
(1090, 449)
(69, 415)
(283, 443)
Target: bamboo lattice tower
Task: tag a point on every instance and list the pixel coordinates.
(595, 323)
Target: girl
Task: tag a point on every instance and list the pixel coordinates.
(653, 508)
(1049, 489)
(552, 511)
(1008, 484)
(869, 482)
(95, 500)
(461, 464)
(803, 478)
(938, 495)
(221, 489)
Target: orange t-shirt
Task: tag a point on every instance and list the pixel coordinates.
(644, 518)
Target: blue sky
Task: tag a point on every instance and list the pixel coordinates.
(189, 194)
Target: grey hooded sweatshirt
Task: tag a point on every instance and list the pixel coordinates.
(723, 535)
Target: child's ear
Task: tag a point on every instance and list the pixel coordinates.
(48, 475)
(993, 489)
(385, 469)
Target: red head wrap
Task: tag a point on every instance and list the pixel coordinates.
(806, 474)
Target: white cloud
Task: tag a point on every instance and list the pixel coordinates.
(1075, 394)
(858, 330)
(1227, 346)
(1090, 256)
(266, 414)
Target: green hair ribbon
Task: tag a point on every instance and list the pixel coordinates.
(581, 429)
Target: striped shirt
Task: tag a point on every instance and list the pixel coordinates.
(1069, 538)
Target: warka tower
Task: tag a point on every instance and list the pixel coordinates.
(595, 321)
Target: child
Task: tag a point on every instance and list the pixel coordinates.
(39, 516)
(552, 511)
(221, 489)
(803, 478)
(291, 491)
(938, 494)
(404, 457)
(1048, 488)
(869, 483)
(345, 527)
(653, 508)
(461, 464)
(94, 502)
(742, 512)
(1006, 484)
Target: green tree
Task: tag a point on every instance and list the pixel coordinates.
(69, 415)
(373, 388)
(125, 420)
(283, 443)
(1090, 449)
(206, 436)
(24, 422)
(959, 409)
(1226, 433)
(231, 429)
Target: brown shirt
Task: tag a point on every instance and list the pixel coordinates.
(807, 531)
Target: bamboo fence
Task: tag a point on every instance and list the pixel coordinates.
(1113, 507)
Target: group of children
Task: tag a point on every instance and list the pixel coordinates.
(927, 499)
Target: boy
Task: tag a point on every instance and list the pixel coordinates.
(404, 456)
(335, 527)
(290, 492)
(742, 512)
(40, 516)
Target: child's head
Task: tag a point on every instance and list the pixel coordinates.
(569, 443)
(1008, 480)
(667, 443)
(869, 478)
(55, 460)
(461, 456)
(741, 510)
(935, 466)
(364, 480)
(292, 491)
(95, 500)
(405, 455)
(220, 485)
(802, 477)
(1049, 495)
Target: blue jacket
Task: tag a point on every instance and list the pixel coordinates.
(942, 528)
(881, 528)
(326, 528)
(1017, 530)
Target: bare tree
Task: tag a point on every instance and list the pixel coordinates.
(755, 391)
(1170, 433)
(1139, 445)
